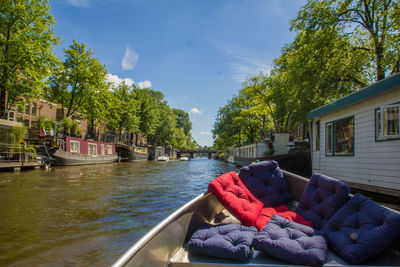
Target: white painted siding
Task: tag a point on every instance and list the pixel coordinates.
(374, 163)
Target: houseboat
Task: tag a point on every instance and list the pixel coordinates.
(131, 153)
(357, 138)
(78, 151)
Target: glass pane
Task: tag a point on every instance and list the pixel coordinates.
(344, 137)
(317, 135)
(391, 121)
(378, 124)
(328, 139)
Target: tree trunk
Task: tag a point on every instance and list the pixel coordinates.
(380, 70)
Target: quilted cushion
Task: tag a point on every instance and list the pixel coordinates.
(231, 241)
(236, 198)
(291, 242)
(361, 229)
(321, 199)
(266, 182)
(267, 213)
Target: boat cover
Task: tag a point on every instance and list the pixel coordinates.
(231, 241)
(291, 242)
(266, 182)
(321, 199)
(236, 198)
(361, 229)
(283, 211)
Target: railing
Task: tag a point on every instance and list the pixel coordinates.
(17, 153)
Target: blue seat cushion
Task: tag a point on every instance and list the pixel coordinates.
(291, 242)
(361, 229)
(321, 199)
(230, 241)
(266, 182)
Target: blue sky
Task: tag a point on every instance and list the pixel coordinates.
(197, 52)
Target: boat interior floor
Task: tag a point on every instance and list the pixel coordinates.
(183, 258)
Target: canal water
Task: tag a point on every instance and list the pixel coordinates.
(90, 215)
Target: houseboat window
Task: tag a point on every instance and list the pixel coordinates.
(92, 149)
(340, 137)
(344, 136)
(328, 135)
(102, 149)
(74, 147)
(317, 135)
(387, 122)
(109, 150)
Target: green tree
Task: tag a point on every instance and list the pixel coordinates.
(77, 80)
(371, 25)
(122, 109)
(26, 50)
(182, 120)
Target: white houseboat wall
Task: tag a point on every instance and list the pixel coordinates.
(357, 138)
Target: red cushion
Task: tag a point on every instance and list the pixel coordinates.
(283, 211)
(236, 198)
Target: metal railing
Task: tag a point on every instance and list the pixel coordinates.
(17, 153)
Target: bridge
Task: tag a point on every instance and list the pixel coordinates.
(194, 151)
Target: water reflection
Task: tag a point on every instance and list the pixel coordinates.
(92, 214)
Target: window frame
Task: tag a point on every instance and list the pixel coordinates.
(317, 135)
(379, 123)
(92, 144)
(73, 150)
(333, 138)
(109, 150)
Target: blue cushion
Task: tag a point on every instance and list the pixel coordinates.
(361, 229)
(266, 182)
(321, 199)
(231, 241)
(291, 242)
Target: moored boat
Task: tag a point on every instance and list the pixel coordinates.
(184, 158)
(129, 153)
(163, 158)
(166, 243)
(78, 151)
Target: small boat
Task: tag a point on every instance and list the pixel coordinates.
(163, 158)
(165, 244)
(184, 158)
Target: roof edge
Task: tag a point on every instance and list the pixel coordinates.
(369, 91)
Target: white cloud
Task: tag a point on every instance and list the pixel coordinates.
(130, 59)
(205, 133)
(115, 80)
(195, 111)
(78, 3)
(245, 64)
(144, 84)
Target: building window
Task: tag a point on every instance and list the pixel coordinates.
(340, 137)
(26, 123)
(109, 149)
(27, 106)
(317, 135)
(75, 147)
(92, 149)
(34, 108)
(387, 122)
(11, 115)
(102, 150)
